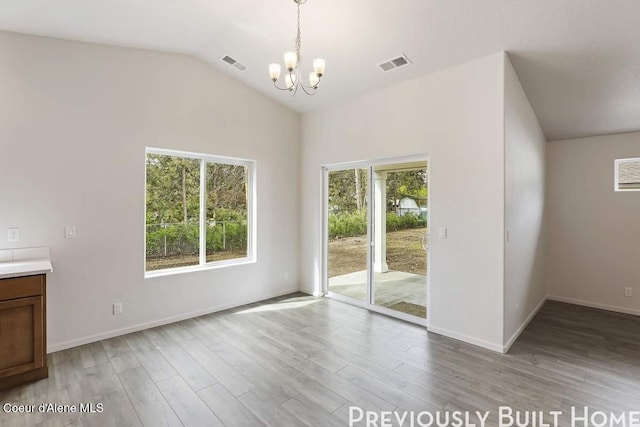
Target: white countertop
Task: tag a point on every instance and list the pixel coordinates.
(24, 262)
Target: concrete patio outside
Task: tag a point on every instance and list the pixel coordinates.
(390, 288)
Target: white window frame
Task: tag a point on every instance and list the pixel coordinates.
(251, 257)
(617, 164)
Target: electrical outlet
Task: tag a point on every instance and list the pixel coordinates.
(13, 234)
(117, 308)
(286, 276)
(628, 292)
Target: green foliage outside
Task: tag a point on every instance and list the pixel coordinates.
(178, 239)
(173, 189)
(348, 204)
(173, 207)
(355, 223)
(347, 224)
(409, 220)
(407, 183)
(227, 236)
(348, 188)
(184, 239)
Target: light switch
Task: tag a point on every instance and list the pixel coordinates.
(442, 232)
(13, 234)
(70, 232)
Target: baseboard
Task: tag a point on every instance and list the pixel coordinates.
(592, 304)
(524, 325)
(52, 348)
(465, 338)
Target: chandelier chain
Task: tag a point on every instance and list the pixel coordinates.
(298, 38)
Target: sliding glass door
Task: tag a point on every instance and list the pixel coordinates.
(376, 228)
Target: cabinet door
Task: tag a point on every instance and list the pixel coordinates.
(21, 335)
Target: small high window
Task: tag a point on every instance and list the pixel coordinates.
(627, 176)
(199, 211)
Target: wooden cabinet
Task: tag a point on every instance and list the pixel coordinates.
(23, 332)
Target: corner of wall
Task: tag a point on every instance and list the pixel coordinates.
(505, 62)
(524, 290)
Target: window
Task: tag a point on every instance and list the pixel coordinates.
(627, 175)
(199, 211)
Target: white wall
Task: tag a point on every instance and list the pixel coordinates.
(74, 122)
(524, 289)
(593, 239)
(454, 116)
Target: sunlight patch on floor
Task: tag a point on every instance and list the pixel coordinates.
(286, 305)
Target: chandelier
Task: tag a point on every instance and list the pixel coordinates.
(292, 63)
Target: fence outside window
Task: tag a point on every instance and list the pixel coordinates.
(175, 239)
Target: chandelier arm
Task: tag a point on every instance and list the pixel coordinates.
(309, 90)
(314, 87)
(294, 76)
(278, 87)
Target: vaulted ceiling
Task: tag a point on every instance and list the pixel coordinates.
(578, 60)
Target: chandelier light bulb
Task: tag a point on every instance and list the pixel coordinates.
(318, 66)
(290, 60)
(274, 71)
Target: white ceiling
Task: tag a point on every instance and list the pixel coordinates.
(578, 60)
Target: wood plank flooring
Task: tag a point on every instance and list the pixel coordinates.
(303, 361)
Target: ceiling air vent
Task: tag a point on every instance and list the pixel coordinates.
(394, 63)
(229, 60)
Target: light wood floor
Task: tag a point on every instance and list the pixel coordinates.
(298, 360)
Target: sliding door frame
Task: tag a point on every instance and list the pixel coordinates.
(369, 302)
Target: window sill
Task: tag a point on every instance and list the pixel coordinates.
(204, 267)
